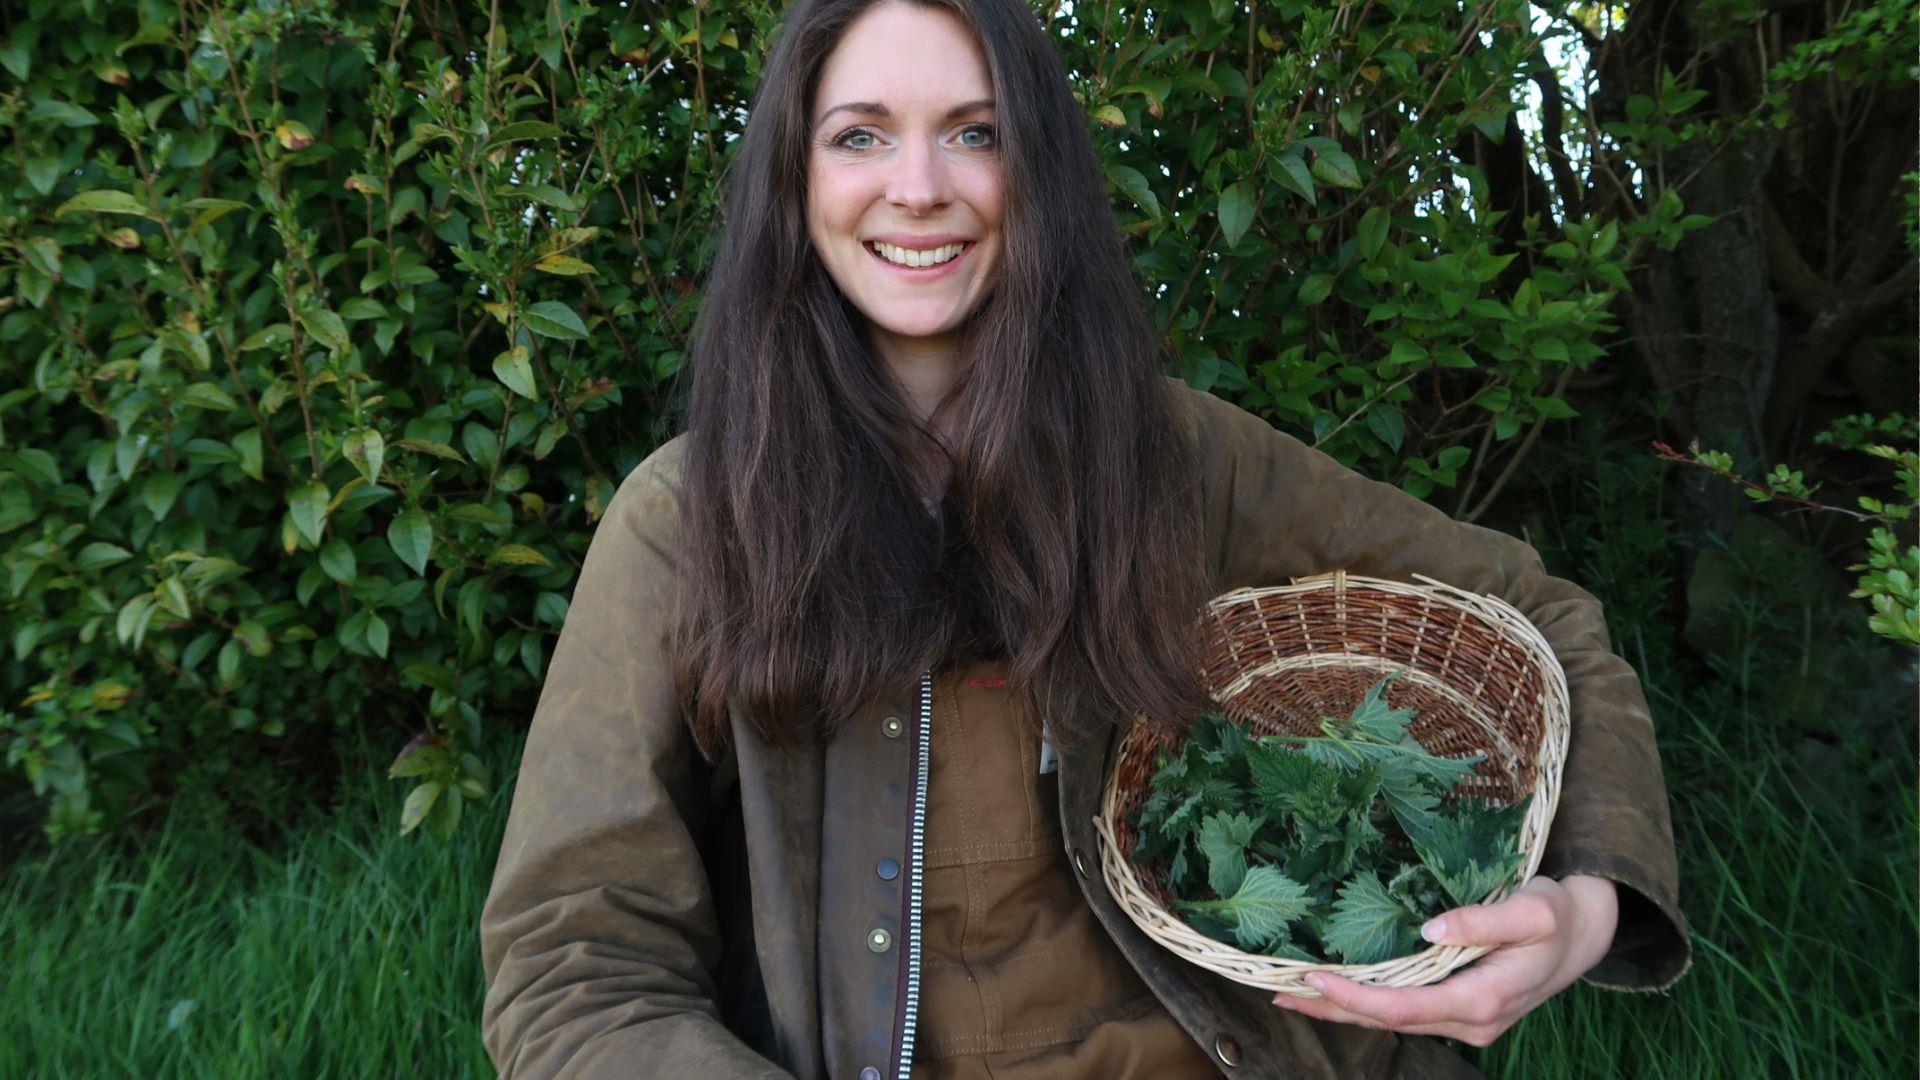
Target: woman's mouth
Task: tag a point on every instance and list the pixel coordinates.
(920, 265)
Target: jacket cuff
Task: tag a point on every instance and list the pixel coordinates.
(1652, 946)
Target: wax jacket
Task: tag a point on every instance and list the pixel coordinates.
(654, 915)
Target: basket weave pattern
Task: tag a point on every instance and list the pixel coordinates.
(1479, 675)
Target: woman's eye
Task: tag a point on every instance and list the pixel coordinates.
(985, 130)
(846, 138)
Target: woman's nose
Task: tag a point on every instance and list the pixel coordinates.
(919, 182)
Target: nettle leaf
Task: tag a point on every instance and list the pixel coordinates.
(1260, 909)
(1223, 839)
(1368, 925)
(1280, 774)
(1404, 789)
(1375, 718)
(1471, 852)
(1418, 889)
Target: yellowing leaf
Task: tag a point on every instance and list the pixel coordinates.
(293, 135)
(518, 555)
(563, 264)
(1111, 116)
(110, 694)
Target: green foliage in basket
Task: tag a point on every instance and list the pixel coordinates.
(1329, 847)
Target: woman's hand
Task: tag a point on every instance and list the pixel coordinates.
(1547, 934)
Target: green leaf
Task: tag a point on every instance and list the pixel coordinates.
(419, 801)
(1368, 925)
(1260, 909)
(157, 493)
(417, 758)
(522, 131)
(411, 537)
(1336, 168)
(515, 369)
(308, 504)
(428, 446)
(130, 625)
(273, 336)
(1236, 212)
(550, 608)
(366, 448)
(377, 635)
(1315, 289)
(1374, 717)
(326, 327)
(443, 817)
(1373, 232)
(1418, 890)
(1549, 349)
(551, 318)
(1223, 839)
(100, 554)
(104, 201)
(1133, 184)
(1473, 851)
(246, 445)
(206, 395)
(1386, 422)
(336, 558)
(1293, 174)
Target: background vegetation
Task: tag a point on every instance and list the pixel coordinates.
(327, 329)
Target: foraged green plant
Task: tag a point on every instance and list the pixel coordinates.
(1330, 847)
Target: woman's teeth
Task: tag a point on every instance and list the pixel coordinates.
(900, 256)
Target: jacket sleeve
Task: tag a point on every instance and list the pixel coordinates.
(599, 932)
(1293, 511)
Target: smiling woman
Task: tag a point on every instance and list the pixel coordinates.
(810, 788)
(906, 187)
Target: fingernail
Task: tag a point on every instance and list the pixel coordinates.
(1317, 981)
(1283, 1000)
(1434, 929)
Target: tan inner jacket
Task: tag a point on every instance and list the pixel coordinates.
(1020, 982)
(652, 914)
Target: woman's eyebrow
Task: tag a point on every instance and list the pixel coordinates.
(874, 108)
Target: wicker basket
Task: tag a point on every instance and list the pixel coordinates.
(1480, 677)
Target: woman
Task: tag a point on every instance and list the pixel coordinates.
(935, 532)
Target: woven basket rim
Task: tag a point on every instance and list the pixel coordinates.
(1418, 968)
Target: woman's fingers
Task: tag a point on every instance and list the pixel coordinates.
(1459, 1000)
(1533, 913)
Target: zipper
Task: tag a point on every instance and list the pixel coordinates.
(916, 849)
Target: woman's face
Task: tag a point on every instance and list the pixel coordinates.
(904, 168)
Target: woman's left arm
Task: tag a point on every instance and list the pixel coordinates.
(1604, 904)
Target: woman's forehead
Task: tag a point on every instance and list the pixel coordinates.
(905, 59)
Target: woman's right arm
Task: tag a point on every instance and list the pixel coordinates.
(599, 934)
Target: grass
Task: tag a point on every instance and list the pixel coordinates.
(351, 951)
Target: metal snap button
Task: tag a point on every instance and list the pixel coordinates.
(869, 1073)
(893, 726)
(879, 940)
(887, 869)
(1227, 1049)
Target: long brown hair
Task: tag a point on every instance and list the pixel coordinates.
(811, 578)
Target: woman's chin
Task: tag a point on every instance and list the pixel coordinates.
(908, 328)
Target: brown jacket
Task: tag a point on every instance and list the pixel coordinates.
(654, 916)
